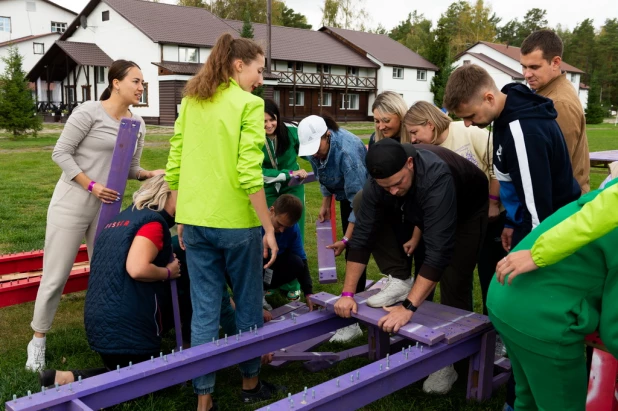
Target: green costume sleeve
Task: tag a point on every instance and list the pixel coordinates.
(596, 218)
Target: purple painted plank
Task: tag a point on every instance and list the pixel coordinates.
(380, 378)
(609, 155)
(304, 346)
(296, 181)
(503, 363)
(500, 379)
(371, 316)
(119, 169)
(465, 318)
(115, 387)
(77, 405)
(327, 267)
(481, 369)
(287, 308)
(379, 343)
(176, 309)
(305, 356)
(322, 364)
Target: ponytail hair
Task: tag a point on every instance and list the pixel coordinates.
(117, 71)
(218, 67)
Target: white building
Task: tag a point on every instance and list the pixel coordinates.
(312, 71)
(401, 70)
(502, 63)
(32, 26)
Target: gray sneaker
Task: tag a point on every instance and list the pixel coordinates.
(393, 292)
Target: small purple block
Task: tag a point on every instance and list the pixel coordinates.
(327, 267)
(296, 181)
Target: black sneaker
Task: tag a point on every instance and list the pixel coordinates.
(266, 392)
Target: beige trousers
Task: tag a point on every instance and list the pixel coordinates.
(72, 215)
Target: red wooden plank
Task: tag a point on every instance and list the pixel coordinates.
(22, 291)
(31, 261)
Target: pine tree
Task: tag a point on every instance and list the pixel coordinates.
(17, 107)
(247, 28)
(594, 110)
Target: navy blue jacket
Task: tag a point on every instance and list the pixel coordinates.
(123, 315)
(531, 159)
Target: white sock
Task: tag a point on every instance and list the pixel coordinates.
(39, 340)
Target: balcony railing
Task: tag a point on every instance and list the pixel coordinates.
(326, 80)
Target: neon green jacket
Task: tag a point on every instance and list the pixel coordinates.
(215, 159)
(596, 218)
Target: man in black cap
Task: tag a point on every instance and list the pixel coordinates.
(444, 195)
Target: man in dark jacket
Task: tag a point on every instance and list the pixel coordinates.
(443, 194)
(531, 159)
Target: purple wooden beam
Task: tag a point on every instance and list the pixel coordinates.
(379, 343)
(304, 346)
(128, 383)
(176, 309)
(296, 181)
(376, 380)
(77, 405)
(119, 169)
(371, 316)
(327, 267)
(322, 364)
(481, 369)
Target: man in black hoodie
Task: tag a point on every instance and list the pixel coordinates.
(531, 159)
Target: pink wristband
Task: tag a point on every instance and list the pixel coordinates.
(495, 198)
(91, 185)
(169, 273)
(347, 294)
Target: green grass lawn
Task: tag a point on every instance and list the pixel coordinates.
(28, 179)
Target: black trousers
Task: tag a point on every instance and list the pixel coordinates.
(491, 253)
(286, 268)
(345, 209)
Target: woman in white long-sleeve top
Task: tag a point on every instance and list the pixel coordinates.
(84, 152)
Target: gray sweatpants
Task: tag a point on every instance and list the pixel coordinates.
(72, 215)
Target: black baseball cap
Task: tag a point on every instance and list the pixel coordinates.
(387, 157)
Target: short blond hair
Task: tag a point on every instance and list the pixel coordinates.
(152, 194)
(422, 112)
(466, 83)
(389, 102)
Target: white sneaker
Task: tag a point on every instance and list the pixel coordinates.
(441, 381)
(347, 334)
(36, 357)
(393, 292)
(265, 304)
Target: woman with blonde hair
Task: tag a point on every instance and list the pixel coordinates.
(388, 110)
(214, 170)
(128, 303)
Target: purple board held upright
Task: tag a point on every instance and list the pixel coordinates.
(327, 267)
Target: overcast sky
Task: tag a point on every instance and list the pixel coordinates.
(390, 12)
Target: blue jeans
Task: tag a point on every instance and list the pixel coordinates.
(211, 252)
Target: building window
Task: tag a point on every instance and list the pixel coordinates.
(85, 93)
(38, 48)
(466, 62)
(188, 55)
(295, 65)
(5, 24)
(71, 97)
(573, 77)
(398, 73)
(57, 27)
(350, 102)
(143, 101)
(105, 15)
(324, 68)
(327, 100)
(353, 71)
(30, 6)
(99, 74)
(421, 75)
(277, 97)
(299, 100)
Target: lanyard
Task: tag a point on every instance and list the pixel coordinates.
(269, 150)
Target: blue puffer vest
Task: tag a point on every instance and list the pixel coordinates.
(122, 315)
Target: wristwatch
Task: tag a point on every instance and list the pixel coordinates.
(407, 304)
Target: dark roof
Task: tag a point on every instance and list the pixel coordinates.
(85, 54)
(26, 38)
(308, 46)
(514, 53)
(382, 47)
(506, 70)
(195, 26)
(192, 69)
(584, 86)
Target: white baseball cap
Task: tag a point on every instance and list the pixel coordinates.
(310, 131)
